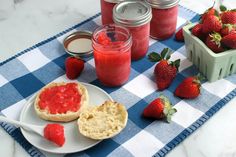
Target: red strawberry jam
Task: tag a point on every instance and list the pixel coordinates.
(140, 44)
(60, 99)
(106, 10)
(112, 54)
(55, 134)
(136, 16)
(103, 39)
(164, 18)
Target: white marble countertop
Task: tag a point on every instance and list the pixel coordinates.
(26, 22)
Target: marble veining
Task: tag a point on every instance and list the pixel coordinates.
(18, 1)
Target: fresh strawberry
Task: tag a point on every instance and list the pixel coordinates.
(159, 108)
(164, 74)
(211, 24)
(229, 40)
(74, 67)
(197, 31)
(165, 71)
(213, 42)
(228, 17)
(179, 35)
(208, 12)
(227, 29)
(189, 88)
(55, 134)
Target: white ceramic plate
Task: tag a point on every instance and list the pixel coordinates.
(75, 141)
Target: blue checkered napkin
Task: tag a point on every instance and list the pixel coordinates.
(27, 72)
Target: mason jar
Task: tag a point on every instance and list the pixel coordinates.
(164, 18)
(112, 54)
(106, 10)
(136, 16)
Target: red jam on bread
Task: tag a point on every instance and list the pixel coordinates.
(55, 134)
(60, 99)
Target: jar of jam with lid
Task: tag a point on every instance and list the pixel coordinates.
(106, 10)
(163, 23)
(136, 16)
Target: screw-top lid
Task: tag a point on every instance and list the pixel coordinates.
(79, 44)
(132, 13)
(162, 4)
(113, 1)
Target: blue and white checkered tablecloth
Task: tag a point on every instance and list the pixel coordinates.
(27, 72)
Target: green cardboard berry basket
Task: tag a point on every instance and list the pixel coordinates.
(213, 66)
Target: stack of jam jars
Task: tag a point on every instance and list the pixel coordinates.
(125, 33)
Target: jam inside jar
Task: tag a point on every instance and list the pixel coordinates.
(135, 15)
(112, 54)
(163, 23)
(106, 10)
(140, 41)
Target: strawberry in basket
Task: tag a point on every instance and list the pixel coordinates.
(208, 12)
(229, 40)
(212, 23)
(217, 29)
(197, 31)
(228, 29)
(228, 16)
(213, 42)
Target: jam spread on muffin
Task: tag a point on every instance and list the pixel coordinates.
(60, 99)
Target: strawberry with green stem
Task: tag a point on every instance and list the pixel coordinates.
(211, 24)
(189, 88)
(165, 70)
(228, 29)
(209, 11)
(228, 16)
(213, 42)
(160, 108)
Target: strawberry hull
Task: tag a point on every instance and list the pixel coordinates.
(213, 66)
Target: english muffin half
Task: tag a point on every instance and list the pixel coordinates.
(104, 121)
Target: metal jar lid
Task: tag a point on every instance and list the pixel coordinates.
(113, 1)
(79, 44)
(162, 4)
(132, 13)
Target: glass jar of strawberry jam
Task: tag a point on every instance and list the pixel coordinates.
(112, 54)
(136, 16)
(106, 10)
(164, 18)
